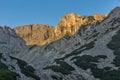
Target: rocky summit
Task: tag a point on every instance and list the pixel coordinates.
(78, 48)
(38, 34)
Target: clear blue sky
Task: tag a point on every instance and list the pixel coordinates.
(19, 12)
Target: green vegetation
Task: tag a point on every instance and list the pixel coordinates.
(62, 52)
(79, 77)
(104, 74)
(5, 73)
(2, 65)
(96, 34)
(79, 50)
(114, 44)
(107, 73)
(87, 61)
(26, 69)
(55, 77)
(107, 68)
(116, 61)
(0, 55)
(63, 67)
(57, 68)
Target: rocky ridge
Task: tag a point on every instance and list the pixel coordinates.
(38, 34)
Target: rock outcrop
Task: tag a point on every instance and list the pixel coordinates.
(12, 44)
(10, 41)
(71, 22)
(35, 34)
(38, 34)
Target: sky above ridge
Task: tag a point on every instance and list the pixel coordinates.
(20, 12)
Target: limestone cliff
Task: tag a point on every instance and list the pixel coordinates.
(71, 22)
(35, 34)
(38, 34)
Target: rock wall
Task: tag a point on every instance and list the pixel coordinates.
(10, 41)
(38, 34)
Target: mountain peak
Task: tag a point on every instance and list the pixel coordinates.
(71, 22)
(117, 8)
(68, 25)
(115, 12)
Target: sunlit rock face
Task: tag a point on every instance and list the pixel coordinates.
(35, 34)
(38, 34)
(71, 22)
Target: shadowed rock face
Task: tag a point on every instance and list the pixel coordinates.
(39, 34)
(10, 41)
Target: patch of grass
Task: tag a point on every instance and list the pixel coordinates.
(26, 69)
(62, 52)
(79, 50)
(3, 65)
(0, 55)
(104, 74)
(55, 77)
(80, 77)
(107, 68)
(57, 68)
(116, 61)
(107, 73)
(63, 67)
(5, 73)
(87, 61)
(114, 44)
(100, 56)
(96, 34)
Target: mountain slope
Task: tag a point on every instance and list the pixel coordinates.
(10, 67)
(87, 54)
(91, 53)
(38, 34)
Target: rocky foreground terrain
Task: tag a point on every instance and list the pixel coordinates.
(78, 48)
